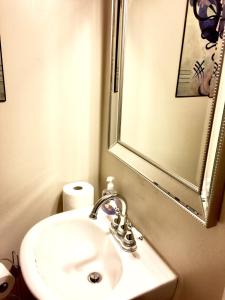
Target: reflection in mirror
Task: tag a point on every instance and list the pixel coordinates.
(160, 117)
(170, 131)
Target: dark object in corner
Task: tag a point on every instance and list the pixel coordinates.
(2, 83)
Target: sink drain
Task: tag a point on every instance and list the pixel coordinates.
(94, 277)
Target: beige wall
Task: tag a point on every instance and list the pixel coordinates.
(49, 125)
(195, 253)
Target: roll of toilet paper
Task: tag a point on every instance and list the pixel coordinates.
(77, 194)
(7, 281)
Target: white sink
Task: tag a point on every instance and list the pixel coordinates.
(59, 253)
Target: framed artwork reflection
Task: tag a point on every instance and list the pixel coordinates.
(202, 40)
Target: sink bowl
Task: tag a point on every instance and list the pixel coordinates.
(69, 256)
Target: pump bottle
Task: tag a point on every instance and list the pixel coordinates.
(110, 206)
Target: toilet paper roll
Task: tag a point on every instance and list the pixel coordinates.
(77, 194)
(7, 281)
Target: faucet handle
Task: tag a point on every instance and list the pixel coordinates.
(116, 220)
(137, 234)
(129, 239)
(128, 225)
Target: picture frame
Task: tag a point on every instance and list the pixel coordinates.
(203, 28)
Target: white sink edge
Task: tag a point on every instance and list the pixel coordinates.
(119, 293)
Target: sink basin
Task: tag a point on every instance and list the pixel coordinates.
(69, 256)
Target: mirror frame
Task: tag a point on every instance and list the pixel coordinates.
(202, 203)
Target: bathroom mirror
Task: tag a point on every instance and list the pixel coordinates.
(166, 105)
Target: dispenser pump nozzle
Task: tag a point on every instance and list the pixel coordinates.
(110, 183)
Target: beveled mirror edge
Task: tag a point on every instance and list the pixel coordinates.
(207, 218)
(218, 176)
(178, 194)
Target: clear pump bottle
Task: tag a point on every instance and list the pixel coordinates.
(109, 186)
(110, 206)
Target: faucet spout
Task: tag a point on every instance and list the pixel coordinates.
(106, 198)
(102, 200)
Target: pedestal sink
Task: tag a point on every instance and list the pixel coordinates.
(69, 256)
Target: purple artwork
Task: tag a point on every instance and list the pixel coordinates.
(203, 33)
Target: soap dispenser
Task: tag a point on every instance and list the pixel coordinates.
(109, 186)
(110, 206)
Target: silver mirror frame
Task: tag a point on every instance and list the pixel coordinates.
(204, 203)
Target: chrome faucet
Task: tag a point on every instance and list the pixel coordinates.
(121, 228)
(106, 198)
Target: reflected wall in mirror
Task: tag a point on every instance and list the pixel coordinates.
(174, 142)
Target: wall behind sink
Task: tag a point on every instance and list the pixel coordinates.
(196, 254)
(49, 125)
